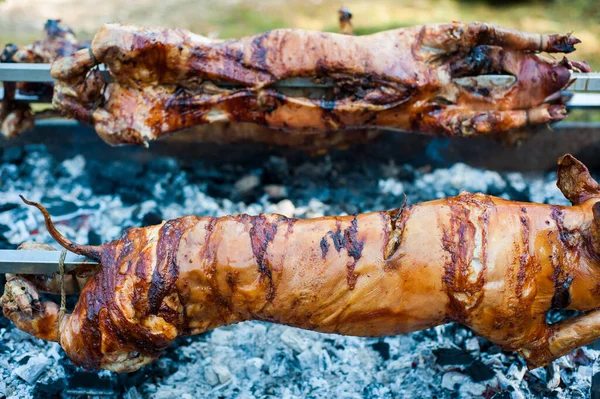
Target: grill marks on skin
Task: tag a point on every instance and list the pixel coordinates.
(162, 282)
(324, 247)
(262, 233)
(130, 330)
(162, 286)
(209, 255)
(561, 275)
(354, 248)
(525, 273)
(166, 273)
(460, 252)
(466, 266)
(485, 218)
(345, 239)
(525, 257)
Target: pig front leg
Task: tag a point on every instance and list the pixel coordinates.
(458, 122)
(460, 36)
(562, 338)
(22, 305)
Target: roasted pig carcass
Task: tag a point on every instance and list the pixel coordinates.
(58, 41)
(423, 79)
(493, 265)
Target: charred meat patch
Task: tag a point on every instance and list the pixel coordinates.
(346, 239)
(262, 233)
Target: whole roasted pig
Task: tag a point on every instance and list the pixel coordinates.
(493, 265)
(424, 79)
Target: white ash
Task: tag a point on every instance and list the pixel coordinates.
(444, 182)
(391, 186)
(94, 201)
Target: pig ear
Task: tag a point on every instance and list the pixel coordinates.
(575, 181)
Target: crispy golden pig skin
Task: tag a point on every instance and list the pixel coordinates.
(398, 79)
(493, 265)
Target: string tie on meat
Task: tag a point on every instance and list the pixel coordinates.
(92, 56)
(63, 298)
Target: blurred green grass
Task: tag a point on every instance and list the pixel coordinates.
(580, 115)
(245, 18)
